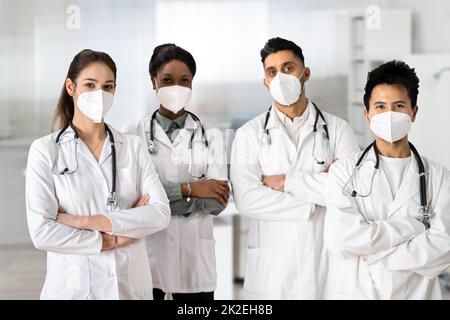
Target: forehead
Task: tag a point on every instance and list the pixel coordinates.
(98, 71)
(280, 57)
(175, 67)
(389, 93)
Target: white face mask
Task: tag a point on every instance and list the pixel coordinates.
(390, 126)
(286, 89)
(174, 98)
(95, 104)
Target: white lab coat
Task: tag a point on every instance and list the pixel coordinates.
(381, 251)
(285, 256)
(182, 257)
(76, 267)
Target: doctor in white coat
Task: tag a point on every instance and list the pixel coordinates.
(389, 229)
(191, 163)
(278, 173)
(82, 183)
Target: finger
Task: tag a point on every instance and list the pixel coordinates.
(222, 188)
(223, 193)
(222, 183)
(144, 200)
(217, 197)
(221, 199)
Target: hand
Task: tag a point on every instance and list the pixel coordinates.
(108, 242)
(143, 201)
(70, 220)
(124, 241)
(211, 188)
(113, 242)
(328, 168)
(275, 182)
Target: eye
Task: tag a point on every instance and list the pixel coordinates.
(109, 87)
(166, 80)
(272, 73)
(379, 106)
(89, 85)
(399, 106)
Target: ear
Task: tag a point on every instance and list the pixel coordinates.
(415, 110)
(366, 115)
(306, 74)
(153, 81)
(70, 87)
(265, 84)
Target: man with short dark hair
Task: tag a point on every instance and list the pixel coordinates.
(388, 218)
(278, 172)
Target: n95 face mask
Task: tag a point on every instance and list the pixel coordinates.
(286, 89)
(174, 98)
(390, 126)
(95, 104)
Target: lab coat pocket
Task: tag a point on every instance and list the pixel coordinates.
(127, 187)
(68, 277)
(257, 271)
(139, 276)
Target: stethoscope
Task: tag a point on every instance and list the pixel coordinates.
(424, 212)
(267, 140)
(152, 148)
(111, 202)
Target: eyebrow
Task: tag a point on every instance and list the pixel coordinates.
(284, 63)
(287, 62)
(94, 80)
(170, 75)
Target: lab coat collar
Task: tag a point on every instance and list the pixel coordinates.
(185, 133)
(275, 123)
(408, 189)
(313, 114)
(118, 136)
(190, 123)
(380, 181)
(161, 135)
(69, 135)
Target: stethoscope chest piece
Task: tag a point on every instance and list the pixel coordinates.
(152, 147)
(111, 202)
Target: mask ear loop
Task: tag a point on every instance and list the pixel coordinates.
(303, 86)
(156, 85)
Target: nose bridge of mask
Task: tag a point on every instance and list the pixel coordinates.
(92, 96)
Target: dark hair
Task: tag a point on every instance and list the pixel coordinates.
(165, 53)
(65, 107)
(278, 44)
(393, 72)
